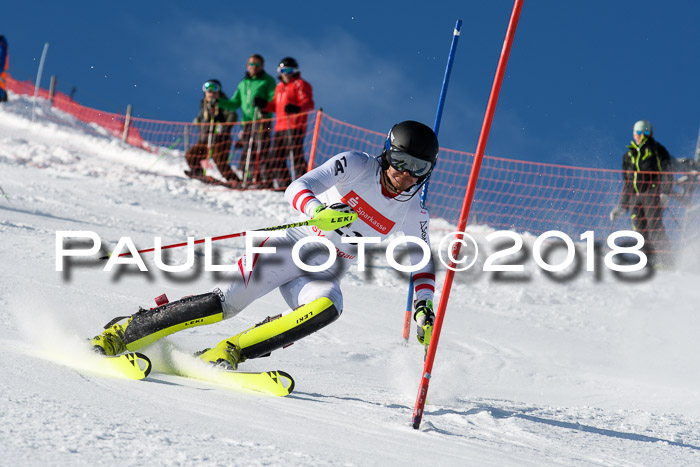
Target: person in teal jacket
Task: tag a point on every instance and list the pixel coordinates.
(253, 93)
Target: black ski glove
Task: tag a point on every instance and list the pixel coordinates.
(259, 102)
(292, 109)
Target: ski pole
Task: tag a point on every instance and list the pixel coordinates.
(424, 193)
(224, 237)
(292, 168)
(4, 195)
(166, 151)
(250, 148)
(210, 142)
(257, 173)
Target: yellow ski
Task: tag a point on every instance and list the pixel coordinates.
(170, 360)
(133, 365)
(276, 383)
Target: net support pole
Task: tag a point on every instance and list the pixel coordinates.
(424, 193)
(464, 215)
(127, 123)
(314, 140)
(37, 85)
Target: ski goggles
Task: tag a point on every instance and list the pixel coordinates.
(404, 162)
(211, 87)
(287, 70)
(645, 132)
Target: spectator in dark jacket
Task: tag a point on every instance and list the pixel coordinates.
(292, 102)
(214, 140)
(645, 191)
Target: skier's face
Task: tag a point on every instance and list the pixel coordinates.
(211, 95)
(253, 66)
(399, 180)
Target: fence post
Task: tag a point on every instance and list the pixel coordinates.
(127, 121)
(314, 140)
(37, 85)
(52, 89)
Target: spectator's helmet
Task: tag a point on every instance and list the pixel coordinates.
(288, 66)
(410, 146)
(643, 126)
(212, 85)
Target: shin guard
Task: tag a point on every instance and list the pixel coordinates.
(271, 335)
(147, 326)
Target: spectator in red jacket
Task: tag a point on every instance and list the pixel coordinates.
(292, 102)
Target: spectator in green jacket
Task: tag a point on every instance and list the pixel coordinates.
(253, 93)
(645, 191)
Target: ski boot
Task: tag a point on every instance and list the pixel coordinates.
(226, 355)
(111, 341)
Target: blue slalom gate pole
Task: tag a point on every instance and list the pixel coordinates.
(424, 193)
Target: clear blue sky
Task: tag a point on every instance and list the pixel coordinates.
(579, 75)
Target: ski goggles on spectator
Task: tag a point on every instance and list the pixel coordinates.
(287, 70)
(254, 63)
(645, 132)
(211, 87)
(404, 162)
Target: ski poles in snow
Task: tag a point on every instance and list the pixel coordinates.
(258, 173)
(292, 168)
(210, 143)
(166, 151)
(250, 146)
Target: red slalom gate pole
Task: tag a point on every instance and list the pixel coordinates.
(464, 215)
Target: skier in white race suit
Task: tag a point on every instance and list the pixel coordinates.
(352, 196)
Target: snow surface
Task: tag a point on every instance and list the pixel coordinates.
(590, 370)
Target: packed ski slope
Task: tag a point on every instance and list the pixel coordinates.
(591, 370)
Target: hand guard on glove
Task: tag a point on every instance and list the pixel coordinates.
(424, 318)
(333, 217)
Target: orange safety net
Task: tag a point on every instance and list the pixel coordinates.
(511, 194)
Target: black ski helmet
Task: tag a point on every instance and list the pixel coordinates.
(288, 62)
(414, 138)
